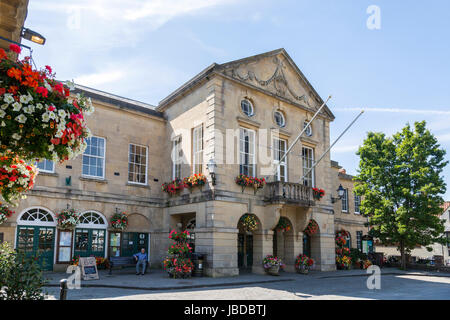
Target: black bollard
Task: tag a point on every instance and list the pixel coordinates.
(63, 289)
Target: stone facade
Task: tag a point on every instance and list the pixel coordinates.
(12, 17)
(211, 100)
(347, 217)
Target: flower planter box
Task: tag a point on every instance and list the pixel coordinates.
(273, 270)
(302, 270)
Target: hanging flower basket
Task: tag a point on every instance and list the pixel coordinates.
(246, 181)
(38, 119)
(312, 228)
(16, 177)
(196, 180)
(249, 222)
(318, 193)
(173, 187)
(283, 225)
(68, 219)
(119, 221)
(5, 213)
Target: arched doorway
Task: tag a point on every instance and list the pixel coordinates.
(133, 239)
(248, 223)
(280, 240)
(90, 235)
(311, 241)
(36, 235)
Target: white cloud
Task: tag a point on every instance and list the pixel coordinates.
(95, 79)
(443, 138)
(397, 110)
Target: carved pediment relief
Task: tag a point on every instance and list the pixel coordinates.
(271, 74)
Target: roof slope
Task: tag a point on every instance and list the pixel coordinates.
(221, 68)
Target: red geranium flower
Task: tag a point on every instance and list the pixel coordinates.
(15, 48)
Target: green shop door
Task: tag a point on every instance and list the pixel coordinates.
(133, 242)
(90, 242)
(37, 241)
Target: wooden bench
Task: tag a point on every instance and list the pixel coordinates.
(122, 262)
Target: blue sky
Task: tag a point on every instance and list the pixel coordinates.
(144, 49)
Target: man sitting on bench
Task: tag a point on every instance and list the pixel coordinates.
(141, 258)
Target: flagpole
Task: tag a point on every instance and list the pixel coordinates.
(331, 146)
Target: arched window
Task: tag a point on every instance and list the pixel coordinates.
(247, 108)
(37, 216)
(92, 219)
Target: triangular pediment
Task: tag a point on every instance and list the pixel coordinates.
(275, 73)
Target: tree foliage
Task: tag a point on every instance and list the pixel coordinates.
(21, 276)
(400, 180)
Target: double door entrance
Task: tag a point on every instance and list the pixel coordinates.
(126, 244)
(37, 241)
(245, 251)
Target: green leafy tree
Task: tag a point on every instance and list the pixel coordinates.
(21, 276)
(402, 186)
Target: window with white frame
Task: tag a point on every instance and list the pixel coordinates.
(344, 201)
(357, 203)
(197, 149)
(137, 164)
(247, 152)
(94, 158)
(308, 162)
(279, 150)
(247, 107)
(46, 166)
(176, 158)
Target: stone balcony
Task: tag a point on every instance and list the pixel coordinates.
(289, 193)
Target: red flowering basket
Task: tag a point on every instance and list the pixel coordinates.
(283, 225)
(196, 180)
(5, 213)
(38, 119)
(119, 221)
(173, 187)
(318, 193)
(312, 228)
(16, 177)
(177, 264)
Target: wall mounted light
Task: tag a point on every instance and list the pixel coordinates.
(340, 192)
(33, 36)
(211, 165)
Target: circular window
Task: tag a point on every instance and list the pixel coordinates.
(308, 131)
(279, 119)
(247, 107)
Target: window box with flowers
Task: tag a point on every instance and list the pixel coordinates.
(318, 193)
(249, 222)
(173, 187)
(67, 219)
(16, 177)
(303, 263)
(272, 265)
(246, 181)
(5, 213)
(119, 221)
(196, 180)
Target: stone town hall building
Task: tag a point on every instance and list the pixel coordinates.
(265, 101)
